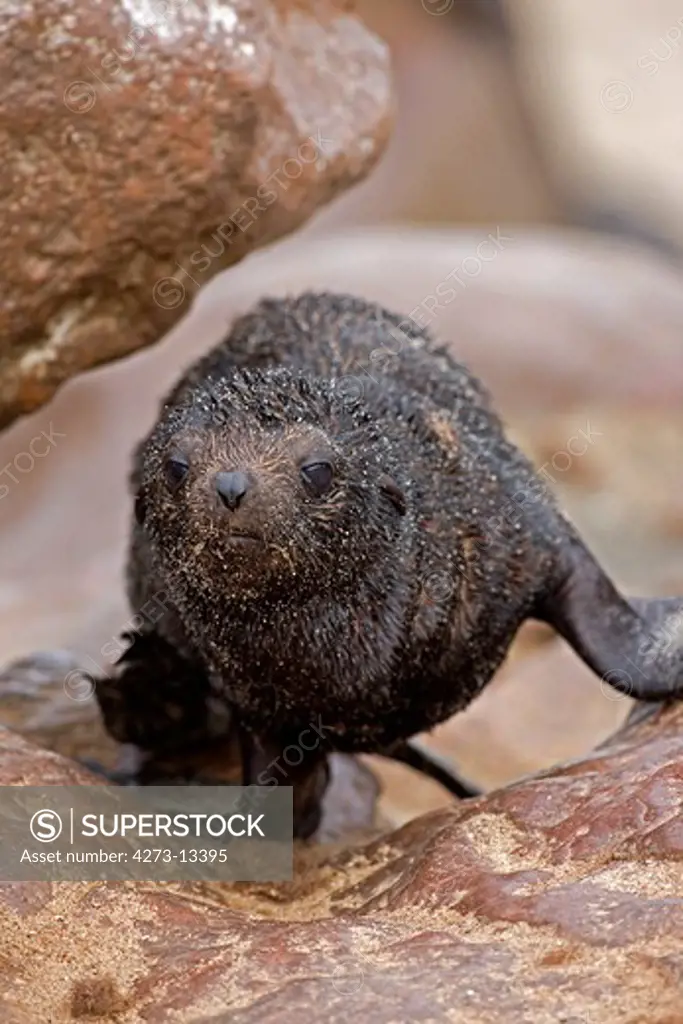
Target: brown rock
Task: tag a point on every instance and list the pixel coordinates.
(134, 133)
(49, 699)
(547, 318)
(485, 168)
(558, 899)
(602, 87)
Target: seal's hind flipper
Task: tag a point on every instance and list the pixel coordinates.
(636, 646)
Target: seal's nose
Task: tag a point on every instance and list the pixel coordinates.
(231, 488)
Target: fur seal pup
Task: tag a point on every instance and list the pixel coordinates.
(347, 545)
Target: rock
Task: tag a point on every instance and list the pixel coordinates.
(486, 168)
(134, 134)
(557, 899)
(548, 318)
(49, 699)
(602, 87)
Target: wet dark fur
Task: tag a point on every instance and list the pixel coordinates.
(381, 608)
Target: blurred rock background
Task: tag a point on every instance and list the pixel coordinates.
(527, 121)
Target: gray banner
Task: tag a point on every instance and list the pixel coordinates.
(146, 833)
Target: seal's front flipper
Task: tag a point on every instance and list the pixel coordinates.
(636, 646)
(158, 701)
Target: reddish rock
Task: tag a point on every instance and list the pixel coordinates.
(557, 899)
(133, 133)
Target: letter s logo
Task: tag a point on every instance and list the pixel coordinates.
(46, 826)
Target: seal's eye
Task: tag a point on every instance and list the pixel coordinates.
(176, 469)
(318, 476)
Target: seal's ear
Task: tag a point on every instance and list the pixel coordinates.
(139, 508)
(394, 493)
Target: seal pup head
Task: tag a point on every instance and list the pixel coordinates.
(268, 480)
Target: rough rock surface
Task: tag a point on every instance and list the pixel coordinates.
(558, 899)
(134, 133)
